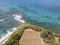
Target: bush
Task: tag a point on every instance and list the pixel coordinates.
(48, 37)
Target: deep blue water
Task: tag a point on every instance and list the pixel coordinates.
(33, 14)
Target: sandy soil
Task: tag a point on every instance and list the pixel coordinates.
(31, 37)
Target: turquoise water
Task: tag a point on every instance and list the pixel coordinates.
(42, 17)
(32, 14)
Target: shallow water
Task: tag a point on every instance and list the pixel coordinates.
(44, 18)
(31, 14)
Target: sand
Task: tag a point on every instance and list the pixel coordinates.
(31, 37)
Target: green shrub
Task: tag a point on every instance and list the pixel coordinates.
(48, 37)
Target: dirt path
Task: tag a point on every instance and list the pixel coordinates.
(31, 37)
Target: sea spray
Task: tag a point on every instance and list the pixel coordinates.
(19, 18)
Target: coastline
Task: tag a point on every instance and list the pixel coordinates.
(6, 37)
(16, 36)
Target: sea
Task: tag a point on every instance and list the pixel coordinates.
(13, 16)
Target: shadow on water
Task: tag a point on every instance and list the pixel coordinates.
(47, 25)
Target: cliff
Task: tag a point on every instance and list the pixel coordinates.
(39, 35)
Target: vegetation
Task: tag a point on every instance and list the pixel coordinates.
(15, 37)
(47, 35)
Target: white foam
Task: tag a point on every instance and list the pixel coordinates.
(1, 20)
(19, 18)
(6, 37)
(22, 21)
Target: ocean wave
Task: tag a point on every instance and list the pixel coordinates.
(1, 20)
(7, 35)
(19, 18)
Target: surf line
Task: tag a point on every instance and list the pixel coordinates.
(6, 37)
(19, 18)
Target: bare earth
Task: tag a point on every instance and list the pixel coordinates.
(31, 37)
